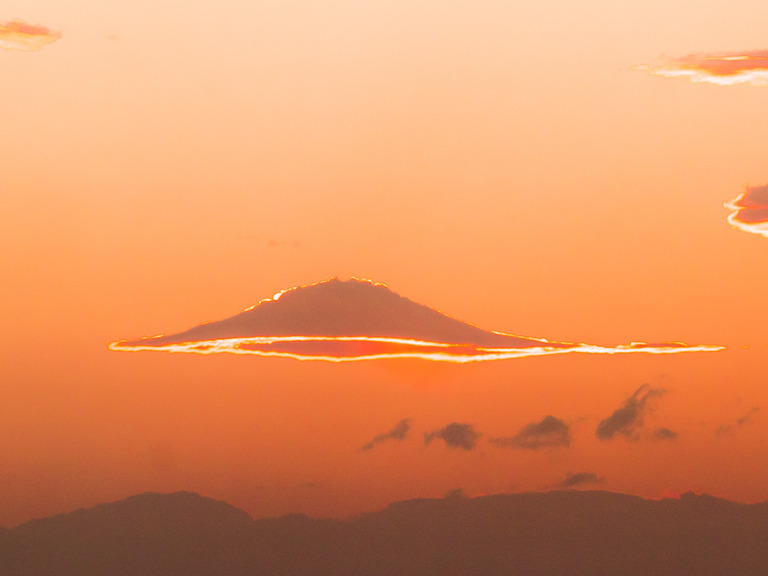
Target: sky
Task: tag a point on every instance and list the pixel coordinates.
(168, 163)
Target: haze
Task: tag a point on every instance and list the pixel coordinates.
(167, 163)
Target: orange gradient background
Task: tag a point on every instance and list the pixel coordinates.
(167, 163)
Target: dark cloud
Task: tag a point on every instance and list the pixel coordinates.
(726, 429)
(456, 494)
(629, 417)
(580, 478)
(399, 432)
(723, 68)
(750, 210)
(455, 435)
(664, 434)
(551, 432)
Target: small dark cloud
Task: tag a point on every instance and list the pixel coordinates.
(455, 435)
(399, 432)
(664, 434)
(726, 429)
(627, 419)
(551, 432)
(747, 417)
(579, 479)
(456, 494)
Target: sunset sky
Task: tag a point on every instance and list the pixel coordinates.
(510, 164)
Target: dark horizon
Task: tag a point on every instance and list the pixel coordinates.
(544, 533)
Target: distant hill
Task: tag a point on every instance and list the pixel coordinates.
(535, 534)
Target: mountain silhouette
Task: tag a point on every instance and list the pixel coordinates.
(560, 533)
(356, 319)
(350, 308)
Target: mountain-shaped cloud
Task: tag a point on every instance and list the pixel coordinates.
(723, 68)
(750, 210)
(358, 319)
(18, 35)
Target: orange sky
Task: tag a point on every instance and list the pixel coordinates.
(167, 163)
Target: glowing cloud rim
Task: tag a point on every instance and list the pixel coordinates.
(744, 204)
(458, 353)
(352, 348)
(722, 69)
(19, 35)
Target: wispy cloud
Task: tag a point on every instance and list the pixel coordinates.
(664, 434)
(722, 68)
(399, 432)
(727, 429)
(551, 432)
(579, 479)
(627, 419)
(18, 35)
(455, 435)
(749, 210)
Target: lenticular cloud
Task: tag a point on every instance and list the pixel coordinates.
(18, 35)
(357, 319)
(749, 210)
(723, 68)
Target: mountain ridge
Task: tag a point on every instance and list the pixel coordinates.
(545, 534)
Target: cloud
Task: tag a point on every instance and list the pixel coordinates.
(726, 429)
(629, 417)
(399, 432)
(455, 435)
(551, 432)
(749, 210)
(723, 68)
(664, 434)
(578, 479)
(457, 494)
(358, 319)
(18, 35)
